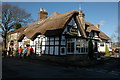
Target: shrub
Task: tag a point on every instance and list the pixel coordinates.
(107, 51)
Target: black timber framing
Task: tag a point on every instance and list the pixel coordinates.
(45, 47)
(54, 47)
(34, 46)
(59, 45)
(49, 46)
(66, 46)
(41, 45)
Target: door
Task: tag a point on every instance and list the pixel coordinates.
(96, 47)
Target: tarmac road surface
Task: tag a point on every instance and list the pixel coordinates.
(23, 68)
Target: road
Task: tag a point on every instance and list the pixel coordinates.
(26, 68)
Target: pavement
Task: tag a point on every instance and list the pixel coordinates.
(16, 68)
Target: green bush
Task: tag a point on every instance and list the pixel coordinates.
(107, 51)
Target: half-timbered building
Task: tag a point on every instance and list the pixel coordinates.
(62, 34)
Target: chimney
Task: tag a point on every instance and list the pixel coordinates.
(97, 25)
(82, 16)
(42, 14)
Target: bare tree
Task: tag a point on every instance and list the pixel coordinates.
(11, 15)
(115, 38)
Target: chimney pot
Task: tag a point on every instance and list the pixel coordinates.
(81, 14)
(41, 9)
(42, 14)
(97, 25)
(44, 10)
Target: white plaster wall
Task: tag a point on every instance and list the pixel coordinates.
(43, 47)
(101, 48)
(38, 42)
(46, 43)
(37, 49)
(33, 43)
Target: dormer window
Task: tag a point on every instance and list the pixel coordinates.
(91, 34)
(95, 34)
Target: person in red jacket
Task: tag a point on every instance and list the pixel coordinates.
(20, 51)
(31, 51)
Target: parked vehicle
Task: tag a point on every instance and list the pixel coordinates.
(117, 50)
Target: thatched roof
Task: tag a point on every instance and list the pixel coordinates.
(88, 23)
(92, 28)
(56, 21)
(81, 27)
(55, 24)
(103, 36)
(18, 30)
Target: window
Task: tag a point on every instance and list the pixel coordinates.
(11, 42)
(101, 44)
(91, 34)
(95, 34)
(71, 47)
(56, 40)
(78, 49)
(86, 49)
(78, 46)
(62, 50)
(81, 46)
(82, 49)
